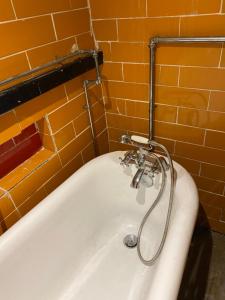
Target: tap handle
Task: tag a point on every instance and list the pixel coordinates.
(139, 139)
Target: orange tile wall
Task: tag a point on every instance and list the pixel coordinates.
(33, 33)
(190, 92)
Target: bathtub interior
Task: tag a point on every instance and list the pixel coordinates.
(71, 245)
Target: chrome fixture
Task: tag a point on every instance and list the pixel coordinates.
(147, 165)
(86, 84)
(154, 42)
(49, 64)
(146, 146)
(130, 240)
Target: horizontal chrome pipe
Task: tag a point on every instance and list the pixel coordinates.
(170, 40)
(154, 42)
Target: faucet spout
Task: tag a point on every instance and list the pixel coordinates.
(137, 178)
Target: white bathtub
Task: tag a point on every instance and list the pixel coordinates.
(71, 245)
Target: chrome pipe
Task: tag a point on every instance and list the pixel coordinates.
(86, 83)
(202, 39)
(98, 76)
(49, 64)
(152, 91)
(153, 46)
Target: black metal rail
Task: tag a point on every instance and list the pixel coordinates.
(31, 88)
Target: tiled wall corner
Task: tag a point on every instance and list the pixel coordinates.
(190, 92)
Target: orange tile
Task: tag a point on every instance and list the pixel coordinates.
(203, 25)
(135, 91)
(211, 212)
(115, 134)
(126, 8)
(209, 185)
(81, 123)
(14, 177)
(71, 23)
(222, 62)
(74, 87)
(64, 136)
(215, 139)
(32, 201)
(6, 10)
(105, 30)
(100, 125)
(129, 52)
(66, 113)
(88, 153)
(202, 118)
(97, 110)
(46, 53)
(2, 192)
(33, 182)
(217, 225)
(196, 78)
(140, 30)
(201, 153)
(192, 166)
(212, 171)
(102, 143)
(78, 3)
(6, 206)
(74, 147)
(43, 126)
(47, 142)
(186, 7)
(168, 75)
(13, 65)
(63, 174)
(137, 109)
(36, 109)
(27, 8)
(217, 101)
(165, 113)
(37, 159)
(141, 110)
(85, 41)
(127, 123)
(189, 55)
(106, 48)
(136, 73)
(179, 132)
(212, 199)
(112, 71)
(192, 98)
(25, 34)
(169, 144)
(114, 105)
(9, 221)
(8, 126)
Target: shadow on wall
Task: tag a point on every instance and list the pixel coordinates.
(195, 278)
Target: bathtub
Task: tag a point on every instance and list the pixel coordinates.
(71, 246)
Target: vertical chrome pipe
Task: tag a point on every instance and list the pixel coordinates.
(86, 84)
(152, 47)
(88, 107)
(98, 76)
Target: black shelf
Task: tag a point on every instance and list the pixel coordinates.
(31, 88)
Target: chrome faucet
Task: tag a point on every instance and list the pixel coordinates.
(147, 164)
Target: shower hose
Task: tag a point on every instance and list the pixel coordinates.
(156, 201)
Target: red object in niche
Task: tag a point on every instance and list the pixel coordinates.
(19, 149)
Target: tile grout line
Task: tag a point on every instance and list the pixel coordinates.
(54, 28)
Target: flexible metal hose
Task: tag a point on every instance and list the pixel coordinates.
(165, 231)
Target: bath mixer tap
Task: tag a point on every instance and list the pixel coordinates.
(147, 164)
